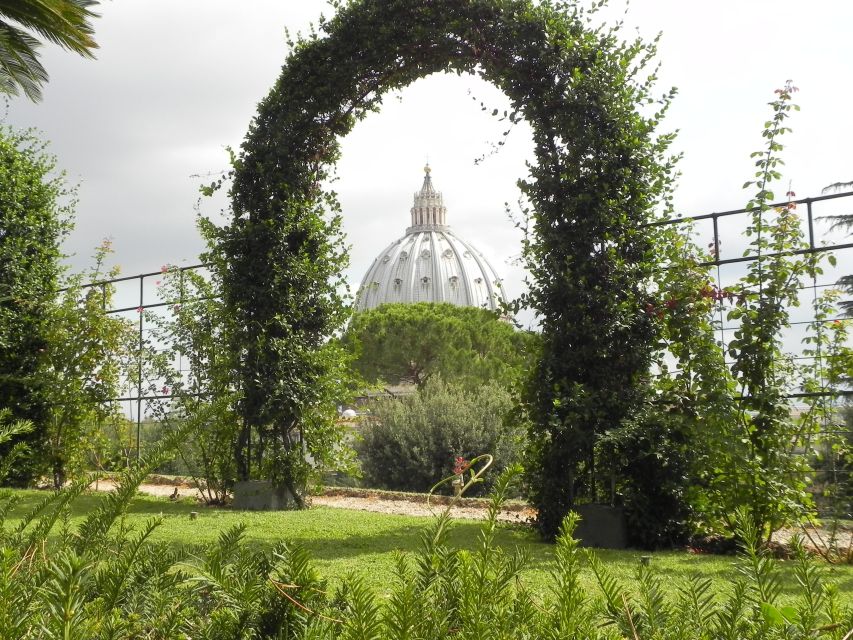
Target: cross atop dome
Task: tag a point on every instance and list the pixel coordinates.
(427, 187)
(428, 208)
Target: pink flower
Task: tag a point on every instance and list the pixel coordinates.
(164, 268)
(157, 283)
(164, 390)
(138, 309)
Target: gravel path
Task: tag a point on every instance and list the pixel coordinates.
(378, 503)
(373, 503)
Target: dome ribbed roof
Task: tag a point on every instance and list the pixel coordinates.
(430, 263)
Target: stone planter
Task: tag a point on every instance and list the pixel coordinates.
(260, 495)
(601, 526)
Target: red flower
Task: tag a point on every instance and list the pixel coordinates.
(461, 466)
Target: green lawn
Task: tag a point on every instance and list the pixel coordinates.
(344, 541)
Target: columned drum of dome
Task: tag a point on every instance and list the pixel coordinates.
(430, 263)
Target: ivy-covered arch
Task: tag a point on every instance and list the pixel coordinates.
(597, 176)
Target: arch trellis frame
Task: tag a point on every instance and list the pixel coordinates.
(598, 175)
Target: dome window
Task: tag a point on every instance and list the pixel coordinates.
(398, 282)
(403, 256)
(467, 254)
(448, 253)
(425, 254)
(386, 259)
(454, 280)
(425, 280)
(478, 280)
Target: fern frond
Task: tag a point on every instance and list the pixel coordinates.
(731, 620)
(363, 621)
(755, 563)
(617, 607)
(812, 600)
(696, 604)
(653, 614)
(113, 577)
(98, 523)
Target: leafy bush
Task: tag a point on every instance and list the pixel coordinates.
(653, 458)
(200, 392)
(409, 443)
(88, 355)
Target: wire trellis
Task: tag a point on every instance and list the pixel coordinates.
(725, 227)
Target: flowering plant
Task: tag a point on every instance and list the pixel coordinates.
(461, 466)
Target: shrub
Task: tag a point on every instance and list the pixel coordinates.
(653, 460)
(102, 581)
(409, 443)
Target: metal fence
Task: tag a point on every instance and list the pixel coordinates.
(719, 229)
(138, 295)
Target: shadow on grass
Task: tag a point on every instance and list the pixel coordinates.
(344, 539)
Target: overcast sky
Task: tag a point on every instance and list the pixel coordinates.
(174, 83)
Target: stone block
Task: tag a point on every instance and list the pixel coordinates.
(260, 495)
(601, 526)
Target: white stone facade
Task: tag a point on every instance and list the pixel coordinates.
(430, 263)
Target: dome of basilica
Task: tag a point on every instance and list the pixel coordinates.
(430, 263)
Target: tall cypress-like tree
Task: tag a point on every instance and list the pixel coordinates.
(35, 207)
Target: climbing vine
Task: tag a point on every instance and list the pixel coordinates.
(598, 174)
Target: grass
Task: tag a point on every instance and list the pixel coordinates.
(343, 541)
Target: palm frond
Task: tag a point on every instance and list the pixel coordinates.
(66, 23)
(840, 221)
(835, 187)
(19, 65)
